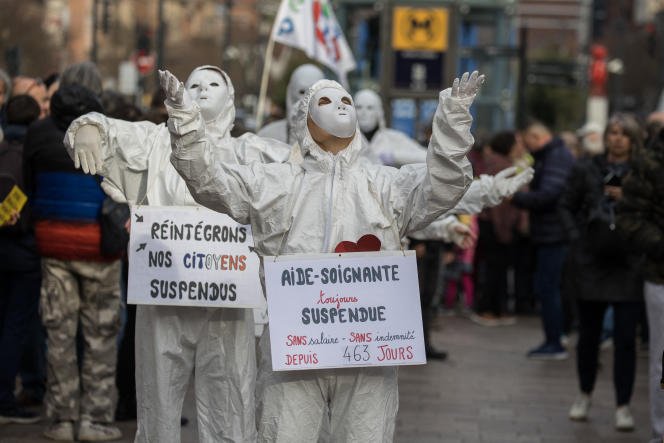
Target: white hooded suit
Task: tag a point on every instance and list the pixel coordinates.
(215, 345)
(310, 207)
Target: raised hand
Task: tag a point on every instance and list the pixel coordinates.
(175, 91)
(468, 85)
(87, 149)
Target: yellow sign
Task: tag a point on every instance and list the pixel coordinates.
(419, 29)
(13, 203)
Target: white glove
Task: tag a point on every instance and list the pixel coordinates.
(468, 85)
(507, 181)
(460, 234)
(175, 91)
(87, 149)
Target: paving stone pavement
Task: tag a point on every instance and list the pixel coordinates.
(486, 392)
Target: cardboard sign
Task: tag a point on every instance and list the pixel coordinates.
(191, 256)
(344, 310)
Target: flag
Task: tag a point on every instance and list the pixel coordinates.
(310, 25)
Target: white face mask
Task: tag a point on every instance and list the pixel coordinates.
(333, 111)
(301, 80)
(208, 88)
(369, 109)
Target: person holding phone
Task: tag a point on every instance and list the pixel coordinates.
(603, 269)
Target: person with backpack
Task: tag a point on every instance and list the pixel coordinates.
(603, 270)
(20, 267)
(80, 284)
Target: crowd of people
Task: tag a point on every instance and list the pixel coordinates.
(567, 226)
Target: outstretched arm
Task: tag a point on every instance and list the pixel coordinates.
(490, 190)
(213, 174)
(93, 141)
(418, 194)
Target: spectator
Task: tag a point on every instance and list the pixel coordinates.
(157, 113)
(52, 83)
(499, 227)
(553, 162)
(20, 268)
(36, 89)
(5, 93)
(603, 272)
(572, 142)
(79, 285)
(592, 139)
(641, 217)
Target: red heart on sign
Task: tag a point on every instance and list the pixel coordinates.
(366, 243)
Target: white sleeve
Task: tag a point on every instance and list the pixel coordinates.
(418, 194)
(478, 197)
(214, 181)
(131, 140)
(438, 230)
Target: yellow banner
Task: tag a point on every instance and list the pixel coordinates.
(420, 29)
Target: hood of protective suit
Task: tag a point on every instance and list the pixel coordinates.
(222, 124)
(309, 148)
(301, 79)
(367, 98)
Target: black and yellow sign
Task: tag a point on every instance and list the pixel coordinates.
(419, 29)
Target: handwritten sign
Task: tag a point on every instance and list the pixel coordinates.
(344, 310)
(191, 256)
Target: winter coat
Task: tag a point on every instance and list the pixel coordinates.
(641, 211)
(18, 249)
(600, 264)
(65, 202)
(553, 164)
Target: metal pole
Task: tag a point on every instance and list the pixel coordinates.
(227, 33)
(523, 72)
(161, 31)
(260, 109)
(95, 25)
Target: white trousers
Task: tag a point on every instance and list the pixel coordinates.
(362, 403)
(654, 295)
(217, 347)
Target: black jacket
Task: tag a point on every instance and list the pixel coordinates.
(553, 164)
(44, 149)
(601, 265)
(641, 211)
(18, 249)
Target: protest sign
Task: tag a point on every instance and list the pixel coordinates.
(344, 310)
(13, 203)
(191, 256)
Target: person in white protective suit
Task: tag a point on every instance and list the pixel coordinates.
(394, 148)
(300, 81)
(310, 207)
(216, 345)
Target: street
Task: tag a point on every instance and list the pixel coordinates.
(487, 391)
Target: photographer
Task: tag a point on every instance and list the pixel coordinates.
(602, 270)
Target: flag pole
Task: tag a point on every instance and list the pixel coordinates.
(260, 108)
